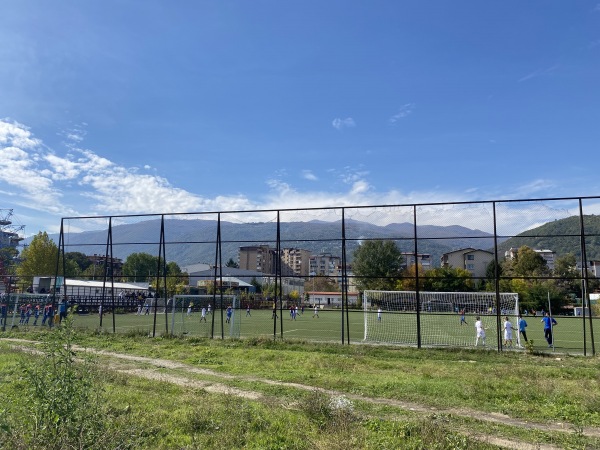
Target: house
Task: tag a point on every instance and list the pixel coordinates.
(472, 260)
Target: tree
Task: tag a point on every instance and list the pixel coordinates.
(377, 265)
(232, 263)
(39, 258)
(7, 256)
(320, 284)
(448, 279)
(529, 263)
(568, 277)
(258, 287)
(80, 259)
(409, 279)
(177, 281)
(139, 267)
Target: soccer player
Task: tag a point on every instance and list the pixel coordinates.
(274, 315)
(45, 317)
(23, 310)
(62, 311)
(248, 310)
(50, 315)
(36, 315)
(549, 323)
(379, 314)
(228, 312)
(3, 314)
(480, 331)
(203, 314)
(507, 332)
(28, 314)
(208, 311)
(190, 306)
(522, 326)
(316, 313)
(462, 317)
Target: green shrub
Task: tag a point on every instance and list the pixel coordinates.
(61, 403)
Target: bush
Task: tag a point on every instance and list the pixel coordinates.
(61, 404)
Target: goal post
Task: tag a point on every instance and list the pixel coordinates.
(446, 318)
(193, 315)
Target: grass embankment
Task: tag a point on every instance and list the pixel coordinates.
(333, 406)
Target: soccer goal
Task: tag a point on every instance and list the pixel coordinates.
(446, 318)
(197, 314)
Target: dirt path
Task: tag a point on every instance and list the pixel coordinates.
(157, 373)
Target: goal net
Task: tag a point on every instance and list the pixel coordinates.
(446, 318)
(205, 315)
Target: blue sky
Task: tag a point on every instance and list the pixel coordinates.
(117, 107)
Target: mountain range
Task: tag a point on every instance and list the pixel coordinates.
(194, 241)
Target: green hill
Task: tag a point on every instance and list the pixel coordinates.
(561, 236)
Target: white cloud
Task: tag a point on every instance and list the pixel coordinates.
(404, 111)
(81, 182)
(308, 175)
(16, 134)
(360, 187)
(537, 73)
(339, 124)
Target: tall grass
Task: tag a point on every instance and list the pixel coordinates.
(59, 403)
(64, 399)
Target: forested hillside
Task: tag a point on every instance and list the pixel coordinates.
(561, 236)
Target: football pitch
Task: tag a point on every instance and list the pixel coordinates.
(394, 328)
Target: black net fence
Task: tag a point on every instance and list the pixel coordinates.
(303, 273)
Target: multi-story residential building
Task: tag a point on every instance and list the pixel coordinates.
(99, 261)
(473, 260)
(548, 255)
(295, 262)
(423, 259)
(257, 257)
(325, 265)
(593, 267)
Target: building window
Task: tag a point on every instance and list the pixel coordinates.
(471, 257)
(470, 266)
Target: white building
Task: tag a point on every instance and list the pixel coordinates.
(330, 299)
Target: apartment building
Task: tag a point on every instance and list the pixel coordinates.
(257, 257)
(473, 260)
(325, 265)
(295, 262)
(409, 259)
(548, 255)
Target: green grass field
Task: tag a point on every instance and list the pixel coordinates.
(395, 328)
(190, 392)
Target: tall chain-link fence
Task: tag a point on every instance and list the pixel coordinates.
(300, 273)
